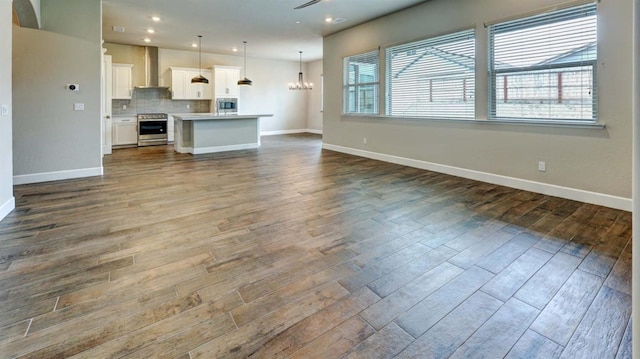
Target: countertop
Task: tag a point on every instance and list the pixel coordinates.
(213, 116)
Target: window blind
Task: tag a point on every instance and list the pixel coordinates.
(361, 83)
(544, 66)
(432, 78)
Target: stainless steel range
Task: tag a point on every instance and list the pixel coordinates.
(152, 129)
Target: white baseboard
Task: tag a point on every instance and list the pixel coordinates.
(527, 185)
(57, 176)
(289, 132)
(7, 207)
(246, 146)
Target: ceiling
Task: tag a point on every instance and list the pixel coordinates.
(272, 28)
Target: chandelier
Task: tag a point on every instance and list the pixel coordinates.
(300, 85)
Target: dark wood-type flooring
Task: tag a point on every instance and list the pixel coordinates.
(298, 252)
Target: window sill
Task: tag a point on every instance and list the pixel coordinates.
(544, 123)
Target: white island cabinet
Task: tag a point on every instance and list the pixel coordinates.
(183, 89)
(198, 133)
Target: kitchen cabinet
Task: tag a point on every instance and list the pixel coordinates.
(121, 80)
(226, 81)
(183, 89)
(125, 131)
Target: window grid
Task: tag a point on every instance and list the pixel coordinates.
(432, 78)
(544, 67)
(361, 83)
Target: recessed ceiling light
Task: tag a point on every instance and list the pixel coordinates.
(235, 49)
(151, 31)
(194, 45)
(328, 19)
(155, 18)
(147, 39)
(297, 21)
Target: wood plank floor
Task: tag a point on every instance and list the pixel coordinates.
(291, 251)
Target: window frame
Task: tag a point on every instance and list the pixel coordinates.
(545, 18)
(358, 86)
(432, 41)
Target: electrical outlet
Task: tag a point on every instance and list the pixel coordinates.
(124, 107)
(364, 140)
(542, 166)
(5, 110)
(78, 107)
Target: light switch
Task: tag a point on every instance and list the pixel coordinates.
(5, 110)
(78, 107)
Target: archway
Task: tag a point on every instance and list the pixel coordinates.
(25, 14)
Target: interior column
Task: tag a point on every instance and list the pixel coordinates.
(636, 181)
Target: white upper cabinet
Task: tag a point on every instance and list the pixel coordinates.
(121, 80)
(183, 89)
(226, 81)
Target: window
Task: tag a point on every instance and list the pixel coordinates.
(432, 78)
(544, 67)
(361, 83)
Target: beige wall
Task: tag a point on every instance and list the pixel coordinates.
(128, 54)
(7, 202)
(50, 139)
(587, 160)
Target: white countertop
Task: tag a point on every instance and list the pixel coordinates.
(213, 116)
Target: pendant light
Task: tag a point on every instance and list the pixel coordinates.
(200, 79)
(245, 81)
(300, 85)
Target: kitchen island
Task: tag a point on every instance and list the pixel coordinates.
(198, 133)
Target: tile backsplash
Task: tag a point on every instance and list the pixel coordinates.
(157, 100)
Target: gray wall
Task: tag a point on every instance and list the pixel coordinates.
(6, 151)
(50, 139)
(587, 160)
(313, 73)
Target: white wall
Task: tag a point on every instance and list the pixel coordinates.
(269, 93)
(586, 164)
(36, 9)
(7, 202)
(50, 140)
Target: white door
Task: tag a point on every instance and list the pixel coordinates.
(107, 92)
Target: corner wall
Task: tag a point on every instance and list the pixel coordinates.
(7, 202)
(314, 97)
(583, 164)
(51, 141)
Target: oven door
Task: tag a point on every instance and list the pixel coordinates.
(152, 132)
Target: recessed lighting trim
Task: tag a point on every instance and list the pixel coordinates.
(155, 18)
(235, 49)
(328, 19)
(146, 39)
(194, 45)
(151, 31)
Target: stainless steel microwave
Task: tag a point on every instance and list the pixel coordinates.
(227, 106)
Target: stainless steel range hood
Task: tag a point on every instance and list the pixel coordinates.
(151, 69)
